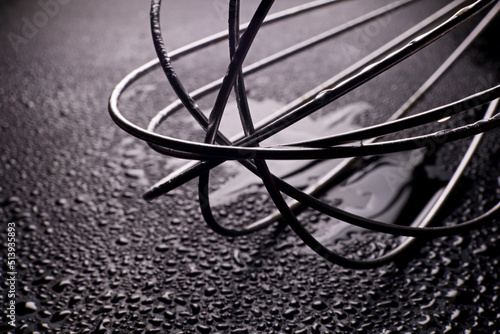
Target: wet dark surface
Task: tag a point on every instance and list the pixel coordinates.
(93, 257)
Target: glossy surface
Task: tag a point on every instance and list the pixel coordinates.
(94, 257)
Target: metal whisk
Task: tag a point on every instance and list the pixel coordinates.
(351, 146)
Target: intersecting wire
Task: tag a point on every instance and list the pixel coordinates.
(246, 146)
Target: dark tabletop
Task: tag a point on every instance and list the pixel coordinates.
(93, 257)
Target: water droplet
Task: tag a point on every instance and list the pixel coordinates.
(59, 287)
(122, 241)
(319, 305)
(290, 313)
(60, 315)
(162, 248)
(26, 307)
(204, 329)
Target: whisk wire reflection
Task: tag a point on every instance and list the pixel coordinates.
(245, 147)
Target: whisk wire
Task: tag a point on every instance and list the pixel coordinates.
(245, 147)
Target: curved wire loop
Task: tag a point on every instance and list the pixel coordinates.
(245, 147)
